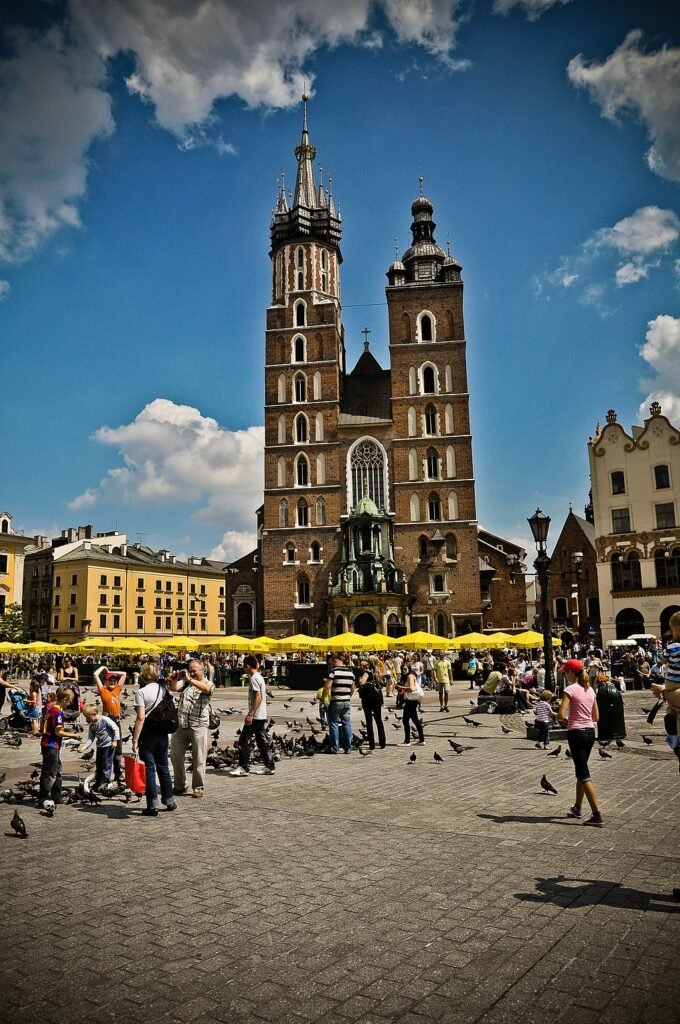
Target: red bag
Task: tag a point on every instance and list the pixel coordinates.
(135, 774)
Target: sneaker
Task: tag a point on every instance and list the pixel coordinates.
(574, 811)
(263, 771)
(238, 773)
(596, 820)
(406, 743)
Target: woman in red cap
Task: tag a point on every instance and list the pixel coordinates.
(579, 710)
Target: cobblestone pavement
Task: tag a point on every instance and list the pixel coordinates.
(350, 889)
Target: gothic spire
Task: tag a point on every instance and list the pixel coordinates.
(305, 186)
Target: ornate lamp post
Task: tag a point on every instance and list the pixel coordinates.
(540, 524)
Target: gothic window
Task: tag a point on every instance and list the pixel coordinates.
(301, 428)
(321, 469)
(422, 547)
(302, 513)
(451, 547)
(430, 420)
(281, 472)
(320, 512)
(626, 574)
(412, 381)
(432, 464)
(453, 505)
(426, 327)
(315, 551)
(451, 462)
(429, 380)
(290, 552)
(414, 508)
(318, 426)
(300, 388)
(303, 590)
(412, 464)
(411, 422)
(434, 508)
(405, 327)
(367, 465)
(667, 565)
(448, 419)
(283, 513)
(282, 430)
(300, 314)
(302, 471)
(281, 388)
(317, 387)
(448, 378)
(299, 350)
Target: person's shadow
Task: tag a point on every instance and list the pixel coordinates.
(584, 892)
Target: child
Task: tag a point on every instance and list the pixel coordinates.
(105, 732)
(543, 715)
(324, 700)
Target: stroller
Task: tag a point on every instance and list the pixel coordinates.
(18, 716)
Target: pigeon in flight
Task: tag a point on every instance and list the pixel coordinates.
(546, 786)
(18, 825)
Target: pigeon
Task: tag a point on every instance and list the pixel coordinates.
(546, 786)
(556, 752)
(647, 740)
(437, 758)
(18, 825)
(604, 754)
(505, 730)
(619, 743)
(412, 759)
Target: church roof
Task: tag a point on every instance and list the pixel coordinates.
(366, 393)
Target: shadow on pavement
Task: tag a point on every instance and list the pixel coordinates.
(597, 892)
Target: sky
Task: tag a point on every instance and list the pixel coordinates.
(140, 143)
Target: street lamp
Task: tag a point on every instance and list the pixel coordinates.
(540, 524)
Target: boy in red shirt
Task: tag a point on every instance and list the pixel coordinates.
(53, 733)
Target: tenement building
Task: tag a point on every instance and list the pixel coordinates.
(369, 520)
(636, 491)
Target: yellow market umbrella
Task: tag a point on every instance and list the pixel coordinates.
(420, 641)
(470, 640)
(300, 642)
(532, 639)
(232, 645)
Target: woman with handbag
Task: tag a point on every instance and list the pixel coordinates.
(413, 693)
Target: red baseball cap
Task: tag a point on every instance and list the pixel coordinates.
(573, 665)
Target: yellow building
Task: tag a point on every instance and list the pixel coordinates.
(103, 587)
(12, 548)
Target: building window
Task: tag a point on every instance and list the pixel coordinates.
(432, 464)
(434, 508)
(302, 471)
(621, 520)
(430, 420)
(667, 565)
(303, 590)
(320, 512)
(626, 574)
(102, 622)
(299, 388)
(302, 513)
(618, 482)
(283, 513)
(429, 381)
(665, 516)
(367, 465)
(451, 547)
(662, 477)
(140, 622)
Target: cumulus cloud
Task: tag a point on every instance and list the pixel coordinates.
(172, 454)
(661, 351)
(234, 544)
(648, 85)
(532, 8)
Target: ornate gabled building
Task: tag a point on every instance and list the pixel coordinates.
(369, 519)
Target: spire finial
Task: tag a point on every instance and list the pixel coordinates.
(365, 333)
(420, 182)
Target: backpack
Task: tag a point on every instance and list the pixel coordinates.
(163, 715)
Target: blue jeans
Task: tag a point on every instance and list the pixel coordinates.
(153, 750)
(339, 715)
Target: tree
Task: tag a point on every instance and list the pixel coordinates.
(13, 626)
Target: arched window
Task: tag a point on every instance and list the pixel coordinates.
(317, 387)
(301, 428)
(412, 380)
(453, 505)
(448, 419)
(426, 327)
(414, 508)
(451, 547)
(405, 324)
(302, 513)
(318, 426)
(320, 512)
(429, 380)
(667, 565)
(434, 508)
(302, 471)
(367, 468)
(432, 464)
(430, 419)
(315, 551)
(283, 513)
(412, 429)
(290, 552)
(281, 471)
(626, 574)
(451, 462)
(438, 584)
(412, 464)
(282, 429)
(299, 349)
(244, 617)
(300, 313)
(422, 546)
(281, 388)
(299, 388)
(303, 590)
(321, 469)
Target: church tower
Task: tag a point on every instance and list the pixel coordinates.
(304, 366)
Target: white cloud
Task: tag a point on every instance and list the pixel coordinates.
(661, 350)
(533, 8)
(648, 84)
(4, 289)
(173, 454)
(234, 544)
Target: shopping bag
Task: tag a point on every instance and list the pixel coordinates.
(135, 774)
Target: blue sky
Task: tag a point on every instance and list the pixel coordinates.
(140, 155)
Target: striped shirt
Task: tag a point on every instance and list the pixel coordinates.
(342, 681)
(672, 656)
